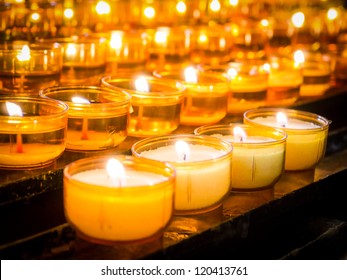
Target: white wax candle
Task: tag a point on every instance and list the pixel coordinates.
(202, 181)
(133, 178)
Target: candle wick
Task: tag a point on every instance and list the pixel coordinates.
(184, 156)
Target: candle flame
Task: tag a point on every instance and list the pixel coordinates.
(190, 75)
(332, 14)
(215, 5)
(14, 109)
(239, 134)
(141, 84)
(181, 7)
(71, 49)
(103, 8)
(79, 100)
(182, 150)
(116, 40)
(298, 19)
(232, 73)
(116, 171)
(161, 35)
(281, 119)
(24, 55)
(299, 57)
(149, 12)
(68, 13)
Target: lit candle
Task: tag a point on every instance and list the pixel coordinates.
(98, 117)
(307, 134)
(127, 52)
(156, 103)
(248, 85)
(14, 110)
(108, 199)
(203, 167)
(258, 154)
(33, 131)
(205, 100)
(285, 80)
(83, 59)
(28, 68)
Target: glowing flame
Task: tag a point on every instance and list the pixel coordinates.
(232, 73)
(116, 41)
(281, 119)
(202, 38)
(161, 35)
(79, 100)
(299, 57)
(68, 13)
(35, 16)
(24, 55)
(215, 5)
(71, 50)
(14, 109)
(103, 8)
(234, 2)
(141, 84)
(181, 7)
(239, 134)
(149, 12)
(190, 75)
(116, 171)
(182, 150)
(332, 14)
(298, 19)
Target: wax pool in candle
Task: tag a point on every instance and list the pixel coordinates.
(105, 210)
(254, 154)
(307, 135)
(35, 138)
(203, 178)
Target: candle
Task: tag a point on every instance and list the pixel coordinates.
(210, 45)
(316, 74)
(84, 60)
(203, 166)
(285, 80)
(97, 118)
(307, 134)
(126, 52)
(156, 103)
(26, 68)
(205, 100)
(32, 131)
(118, 199)
(169, 47)
(258, 154)
(248, 85)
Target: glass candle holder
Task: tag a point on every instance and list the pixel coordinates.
(256, 151)
(32, 131)
(203, 168)
(126, 52)
(248, 85)
(84, 60)
(106, 209)
(307, 134)
(156, 109)
(206, 98)
(285, 80)
(169, 47)
(316, 71)
(210, 45)
(26, 68)
(97, 119)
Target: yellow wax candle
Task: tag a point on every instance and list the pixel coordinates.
(203, 171)
(36, 135)
(104, 208)
(307, 135)
(258, 154)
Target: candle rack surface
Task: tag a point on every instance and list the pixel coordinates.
(295, 220)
